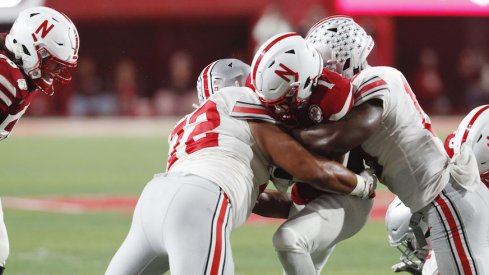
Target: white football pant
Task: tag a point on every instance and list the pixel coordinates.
(459, 221)
(4, 244)
(306, 240)
(181, 223)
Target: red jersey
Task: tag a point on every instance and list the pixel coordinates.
(15, 96)
(331, 100)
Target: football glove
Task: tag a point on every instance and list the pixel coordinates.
(410, 268)
(366, 184)
(280, 178)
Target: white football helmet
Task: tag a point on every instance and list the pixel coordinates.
(474, 130)
(219, 74)
(342, 43)
(284, 70)
(407, 233)
(46, 43)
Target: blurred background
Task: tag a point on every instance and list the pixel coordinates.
(142, 58)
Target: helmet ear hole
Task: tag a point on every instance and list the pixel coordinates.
(307, 82)
(25, 50)
(346, 65)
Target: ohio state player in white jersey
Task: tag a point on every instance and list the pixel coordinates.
(410, 234)
(219, 156)
(396, 136)
(474, 132)
(40, 46)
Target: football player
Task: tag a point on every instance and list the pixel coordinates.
(220, 74)
(37, 53)
(411, 236)
(219, 155)
(473, 131)
(333, 217)
(396, 137)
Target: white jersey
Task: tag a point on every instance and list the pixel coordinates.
(474, 131)
(215, 142)
(430, 267)
(412, 159)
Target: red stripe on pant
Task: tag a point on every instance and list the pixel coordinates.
(220, 227)
(455, 233)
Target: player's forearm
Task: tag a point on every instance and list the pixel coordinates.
(333, 177)
(322, 140)
(337, 138)
(273, 204)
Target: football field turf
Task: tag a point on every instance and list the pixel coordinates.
(82, 242)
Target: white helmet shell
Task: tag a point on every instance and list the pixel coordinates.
(343, 44)
(403, 236)
(219, 74)
(474, 131)
(285, 66)
(42, 32)
(397, 222)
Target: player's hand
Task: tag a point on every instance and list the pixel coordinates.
(371, 179)
(366, 184)
(3, 136)
(280, 178)
(403, 267)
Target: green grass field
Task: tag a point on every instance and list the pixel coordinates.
(56, 243)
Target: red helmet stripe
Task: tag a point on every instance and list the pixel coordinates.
(206, 79)
(471, 122)
(265, 50)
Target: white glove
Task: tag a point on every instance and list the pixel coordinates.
(280, 179)
(414, 268)
(366, 184)
(2, 136)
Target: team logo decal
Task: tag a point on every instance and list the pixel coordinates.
(287, 72)
(315, 113)
(22, 84)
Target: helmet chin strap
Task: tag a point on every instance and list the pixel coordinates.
(45, 86)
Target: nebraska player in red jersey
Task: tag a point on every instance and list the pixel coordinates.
(333, 217)
(41, 45)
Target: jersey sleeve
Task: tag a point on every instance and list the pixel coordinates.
(333, 95)
(369, 87)
(14, 95)
(8, 89)
(247, 106)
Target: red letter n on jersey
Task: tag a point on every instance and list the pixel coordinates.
(287, 72)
